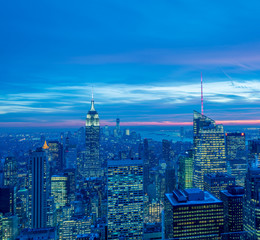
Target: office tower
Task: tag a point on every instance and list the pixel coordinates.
(118, 132)
(146, 165)
(214, 183)
(8, 199)
(193, 214)
(182, 132)
(170, 178)
(56, 152)
(93, 164)
(22, 207)
(209, 148)
(71, 157)
(127, 132)
(185, 173)
(238, 169)
(232, 199)
(51, 213)
(71, 183)
(10, 171)
(39, 184)
(125, 199)
(235, 143)
(59, 190)
(9, 227)
(254, 148)
(251, 208)
(166, 151)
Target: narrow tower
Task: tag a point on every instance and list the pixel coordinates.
(92, 166)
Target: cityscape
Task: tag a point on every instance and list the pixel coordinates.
(129, 120)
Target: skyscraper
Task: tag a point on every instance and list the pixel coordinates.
(10, 171)
(251, 208)
(39, 184)
(185, 173)
(92, 166)
(214, 183)
(56, 151)
(193, 214)
(235, 142)
(59, 190)
(233, 210)
(125, 199)
(209, 148)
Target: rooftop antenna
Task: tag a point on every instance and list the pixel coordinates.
(201, 95)
(92, 93)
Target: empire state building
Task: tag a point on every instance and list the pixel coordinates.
(92, 166)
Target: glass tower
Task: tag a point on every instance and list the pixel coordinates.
(209, 148)
(125, 199)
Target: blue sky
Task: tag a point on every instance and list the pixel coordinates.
(143, 58)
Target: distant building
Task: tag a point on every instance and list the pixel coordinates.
(92, 167)
(10, 171)
(209, 148)
(125, 199)
(9, 227)
(232, 199)
(235, 143)
(238, 168)
(214, 183)
(254, 148)
(56, 151)
(193, 214)
(166, 151)
(185, 173)
(59, 190)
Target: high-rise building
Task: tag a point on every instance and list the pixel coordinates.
(39, 188)
(232, 199)
(251, 208)
(185, 173)
(93, 164)
(10, 171)
(235, 143)
(167, 153)
(125, 199)
(254, 148)
(193, 214)
(209, 148)
(214, 183)
(9, 227)
(238, 169)
(71, 183)
(59, 190)
(118, 132)
(56, 151)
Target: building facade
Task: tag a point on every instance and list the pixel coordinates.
(125, 199)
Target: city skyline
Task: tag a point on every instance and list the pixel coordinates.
(143, 61)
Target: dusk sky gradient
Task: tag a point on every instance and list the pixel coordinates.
(143, 59)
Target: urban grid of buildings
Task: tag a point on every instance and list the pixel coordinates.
(109, 183)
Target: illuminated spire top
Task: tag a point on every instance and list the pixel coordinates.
(45, 146)
(92, 102)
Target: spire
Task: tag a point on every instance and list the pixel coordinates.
(45, 146)
(201, 95)
(92, 102)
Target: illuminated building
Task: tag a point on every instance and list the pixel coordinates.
(166, 151)
(125, 199)
(59, 190)
(235, 142)
(214, 183)
(232, 199)
(251, 206)
(39, 184)
(185, 170)
(193, 214)
(238, 169)
(209, 148)
(9, 227)
(71, 186)
(92, 166)
(75, 226)
(22, 207)
(10, 171)
(56, 151)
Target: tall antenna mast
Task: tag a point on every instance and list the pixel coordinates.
(201, 95)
